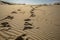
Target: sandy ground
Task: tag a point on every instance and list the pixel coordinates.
(45, 22)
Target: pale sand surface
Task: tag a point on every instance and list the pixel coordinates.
(46, 22)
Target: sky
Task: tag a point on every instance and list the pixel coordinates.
(32, 1)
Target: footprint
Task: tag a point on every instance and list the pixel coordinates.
(13, 12)
(32, 15)
(27, 26)
(21, 37)
(32, 12)
(18, 10)
(5, 24)
(27, 20)
(8, 17)
(27, 23)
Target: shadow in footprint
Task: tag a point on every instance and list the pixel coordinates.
(18, 10)
(27, 20)
(21, 37)
(13, 12)
(5, 24)
(8, 17)
(32, 15)
(25, 28)
(27, 23)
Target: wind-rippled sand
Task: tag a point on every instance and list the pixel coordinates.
(44, 22)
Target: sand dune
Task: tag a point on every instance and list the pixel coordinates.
(29, 22)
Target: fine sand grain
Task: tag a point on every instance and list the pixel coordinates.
(30, 22)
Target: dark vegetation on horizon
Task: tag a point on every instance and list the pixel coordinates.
(3, 2)
(57, 3)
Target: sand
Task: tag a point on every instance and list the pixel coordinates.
(44, 23)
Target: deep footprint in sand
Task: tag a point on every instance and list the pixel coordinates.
(17, 11)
